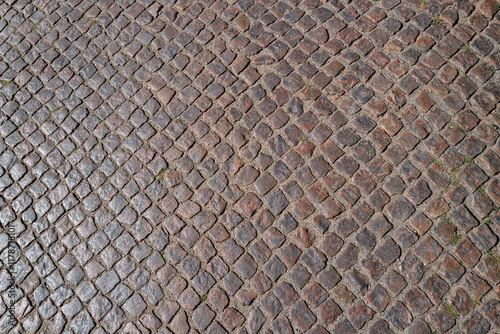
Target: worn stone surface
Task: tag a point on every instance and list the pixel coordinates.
(242, 166)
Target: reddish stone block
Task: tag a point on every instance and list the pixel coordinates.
(428, 250)
(479, 205)
(286, 294)
(303, 237)
(472, 176)
(450, 269)
(476, 286)
(438, 175)
(261, 283)
(412, 269)
(359, 314)
(303, 208)
(347, 258)
(421, 223)
(444, 232)
(399, 316)
(248, 204)
(406, 140)
(378, 169)
(329, 311)
(441, 319)
(387, 252)
(328, 208)
(350, 194)
(486, 133)
(390, 124)
(378, 199)
(491, 310)
(289, 254)
(483, 238)
(246, 297)
(482, 104)
(331, 244)
(399, 209)
(314, 294)
(462, 218)
(362, 213)
(461, 302)
(437, 208)
(396, 97)
(456, 194)
(423, 101)
(476, 324)
(447, 74)
(349, 35)
(378, 298)
(493, 191)
(418, 301)
(419, 192)
(488, 8)
(302, 316)
(373, 267)
(489, 268)
(188, 210)
(232, 319)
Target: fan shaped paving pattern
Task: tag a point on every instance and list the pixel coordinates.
(248, 166)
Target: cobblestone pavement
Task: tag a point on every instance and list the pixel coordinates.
(250, 166)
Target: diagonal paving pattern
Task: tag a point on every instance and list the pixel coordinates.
(247, 166)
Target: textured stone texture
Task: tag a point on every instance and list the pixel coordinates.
(242, 166)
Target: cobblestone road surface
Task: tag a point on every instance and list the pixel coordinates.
(246, 166)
